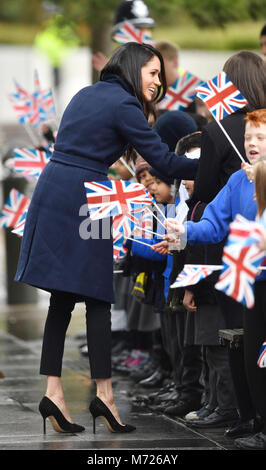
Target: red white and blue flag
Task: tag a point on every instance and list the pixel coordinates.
(13, 209)
(33, 107)
(129, 33)
(262, 356)
(30, 162)
(221, 96)
(110, 198)
(241, 259)
(192, 274)
(19, 228)
(119, 250)
(179, 95)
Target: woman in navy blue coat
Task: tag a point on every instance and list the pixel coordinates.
(100, 123)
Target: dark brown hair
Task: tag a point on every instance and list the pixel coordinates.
(260, 184)
(247, 71)
(127, 62)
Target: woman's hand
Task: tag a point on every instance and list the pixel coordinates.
(249, 170)
(189, 301)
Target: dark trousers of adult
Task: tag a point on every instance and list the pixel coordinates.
(234, 318)
(254, 336)
(98, 328)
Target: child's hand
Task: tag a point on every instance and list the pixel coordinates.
(249, 170)
(173, 227)
(189, 301)
(161, 248)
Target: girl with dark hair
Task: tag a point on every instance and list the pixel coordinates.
(57, 255)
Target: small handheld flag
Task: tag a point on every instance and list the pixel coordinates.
(13, 209)
(129, 33)
(241, 261)
(109, 198)
(181, 93)
(262, 356)
(30, 162)
(221, 96)
(192, 274)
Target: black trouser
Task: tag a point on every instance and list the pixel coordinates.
(98, 321)
(254, 336)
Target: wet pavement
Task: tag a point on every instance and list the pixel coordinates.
(21, 388)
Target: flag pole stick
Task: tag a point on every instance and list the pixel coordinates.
(230, 140)
(130, 169)
(138, 241)
(149, 231)
(31, 134)
(160, 222)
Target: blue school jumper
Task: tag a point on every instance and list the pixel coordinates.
(98, 125)
(236, 197)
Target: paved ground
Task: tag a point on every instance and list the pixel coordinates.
(21, 389)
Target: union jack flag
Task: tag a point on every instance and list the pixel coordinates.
(144, 224)
(119, 250)
(241, 259)
(179, 95)
(262, 356)
(109, 198)
(13, 209)
(221, 96)
(123, 224)
(33, 107)
(192, 274)
(19, 228)
(30, 162)
(129, 33)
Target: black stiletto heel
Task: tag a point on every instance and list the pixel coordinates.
(60, 424)
(98, 408)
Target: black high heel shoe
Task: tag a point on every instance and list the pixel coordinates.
(60, 424)
(98, 408)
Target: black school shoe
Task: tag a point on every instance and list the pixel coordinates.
(256, 442)
(182, 407)
(244, 428)
(216, 419)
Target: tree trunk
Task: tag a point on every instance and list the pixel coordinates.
(101, 42)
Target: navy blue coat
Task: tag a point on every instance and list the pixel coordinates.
(98, 125)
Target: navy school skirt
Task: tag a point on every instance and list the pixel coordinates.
(61, 249)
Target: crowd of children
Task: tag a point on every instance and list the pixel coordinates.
(167, 340)
(197, 377)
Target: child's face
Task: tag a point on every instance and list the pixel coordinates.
(255, 142)
(145, 178)
(161, 191)
(189, 185)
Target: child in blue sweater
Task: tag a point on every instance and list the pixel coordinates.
(238, 197)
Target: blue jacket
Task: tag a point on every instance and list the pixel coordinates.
(236, 197)
(98, 125)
